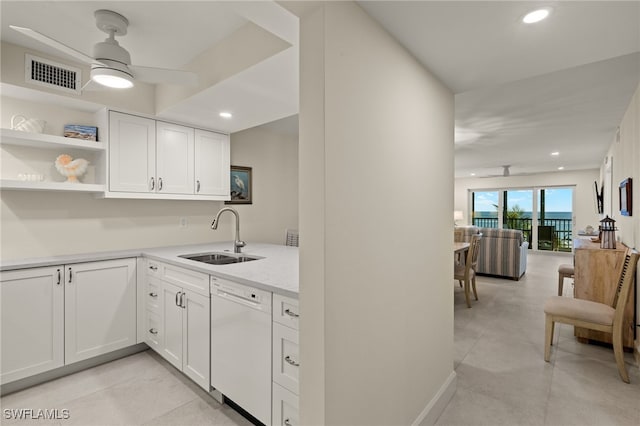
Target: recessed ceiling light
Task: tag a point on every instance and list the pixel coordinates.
(226, 115)
(561, 168)
(536, 16)
(473, 174)
(555, 153)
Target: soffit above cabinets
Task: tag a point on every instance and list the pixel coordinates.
(180, 35)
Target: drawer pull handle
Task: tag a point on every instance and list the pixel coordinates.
(291, 361)
(153, 331)
(153, 294)
(287, 422)
(153, 268)
(291, 313)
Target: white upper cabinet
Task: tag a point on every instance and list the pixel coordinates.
(132, 153)
(156, 159)
(174, 158)
(211, 163)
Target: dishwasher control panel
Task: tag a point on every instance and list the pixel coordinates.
(260, 299)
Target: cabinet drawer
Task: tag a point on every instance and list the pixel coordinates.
(182, 277)
(153, 294)
(153, 331)
(286, 358)
(285, 407)
(286, 311)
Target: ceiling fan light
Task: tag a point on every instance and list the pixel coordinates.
(109, 77)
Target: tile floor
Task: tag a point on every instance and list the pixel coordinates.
(499, 360)
(498, 356)
(141, 389)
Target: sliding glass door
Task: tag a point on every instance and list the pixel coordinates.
(485, 209)
(550, 209)
(555, 219)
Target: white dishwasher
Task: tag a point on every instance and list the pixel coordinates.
(241, 346)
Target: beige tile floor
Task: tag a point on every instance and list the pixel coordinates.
(499, 359)
(141, 389)
(498, 356)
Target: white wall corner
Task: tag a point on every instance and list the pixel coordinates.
(437, 405)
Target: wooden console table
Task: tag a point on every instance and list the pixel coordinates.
(596, 279)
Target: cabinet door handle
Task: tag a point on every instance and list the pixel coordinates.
(182, 304)
(178, 296)
(153, 331)
(59, 277)
(291, 313)
(198, 186)
(159, 184)
(152, 184)
(153, 294)
(70, 275)
(291, 361)
(153, 268)
(287, 422)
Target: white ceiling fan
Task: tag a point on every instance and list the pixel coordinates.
(506, 172)
(111, 63)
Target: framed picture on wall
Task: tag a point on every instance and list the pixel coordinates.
(241, 181)
(625, 197)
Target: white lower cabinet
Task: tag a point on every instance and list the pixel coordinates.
(59, 315)
(286, 361)
(100, 308)
(177, 322)
(32, 322)
(285, 407)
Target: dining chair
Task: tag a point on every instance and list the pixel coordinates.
(291, 238)
(594, 315)
(466, 273)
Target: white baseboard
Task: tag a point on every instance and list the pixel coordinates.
(436, 406)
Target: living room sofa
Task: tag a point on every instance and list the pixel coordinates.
(503, 252)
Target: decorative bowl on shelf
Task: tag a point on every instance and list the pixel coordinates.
(71, 168)
(24, 124)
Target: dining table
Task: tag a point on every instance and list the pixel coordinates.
(460, 247)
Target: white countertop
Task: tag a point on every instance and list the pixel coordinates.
(277, 271)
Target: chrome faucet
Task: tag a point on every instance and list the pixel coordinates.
(237, 244)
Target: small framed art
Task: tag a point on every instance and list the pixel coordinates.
(241, 185)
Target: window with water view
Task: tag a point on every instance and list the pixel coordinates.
(550, 209)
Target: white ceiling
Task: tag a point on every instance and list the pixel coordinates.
(521, 91)
(170, 34)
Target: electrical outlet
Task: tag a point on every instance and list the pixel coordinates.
(182, 222)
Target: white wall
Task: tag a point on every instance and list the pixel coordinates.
(626, 163)
(376, 178)
(272, 153)
(36, 224)
(584, 210)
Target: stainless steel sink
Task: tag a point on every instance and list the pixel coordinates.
(217, 258)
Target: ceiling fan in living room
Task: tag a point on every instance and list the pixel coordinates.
(506, 172)
(111, 63)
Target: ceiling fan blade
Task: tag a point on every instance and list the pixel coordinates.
(92, 86)
(161, 75)
(55, 44)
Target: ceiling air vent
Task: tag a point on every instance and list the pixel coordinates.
(53, 75)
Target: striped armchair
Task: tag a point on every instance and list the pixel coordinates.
(503, 252)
